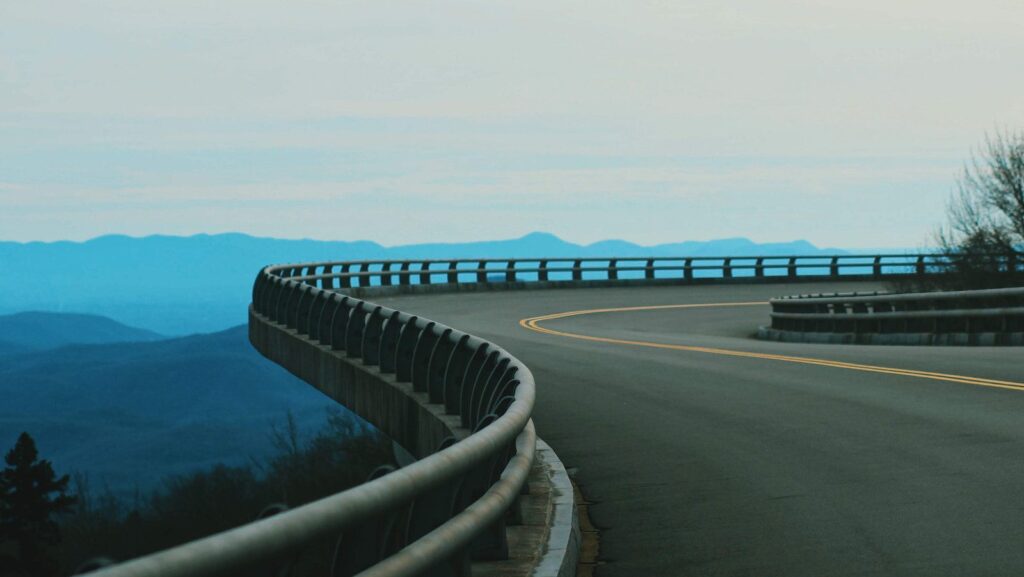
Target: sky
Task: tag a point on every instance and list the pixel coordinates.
(843, 123)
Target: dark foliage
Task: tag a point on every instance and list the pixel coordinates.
(189, 507)
(985, 222)
(31, 499)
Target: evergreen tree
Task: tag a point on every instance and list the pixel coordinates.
(30, 496)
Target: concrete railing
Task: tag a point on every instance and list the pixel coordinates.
(982, 317)
(461, 405)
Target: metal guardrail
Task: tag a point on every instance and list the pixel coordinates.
(997, 311)
(429, 517)
(362, 274)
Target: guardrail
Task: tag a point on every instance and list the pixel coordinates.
(450, 392)
(351, 276)
(427, 517)
(990, 317)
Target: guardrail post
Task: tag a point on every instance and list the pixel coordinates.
(454, 371)
(510, 271)
(344, 279)
(339, 325)
(354, 331)
(613, 271)
(407, 340)
(791, 267)
(759, 268)
(453, 272)
(327, 281)
(577, 270)
(403, 277)
(727, 268)
(421, 354)
(688, 269)
(833, 267)
(373, 328)
(425, 276)
(389, 336)
(649, 269)
(920, 265)
(876, 267)
(481, 271)
(437, 365)
(385, 274)
(542, 274)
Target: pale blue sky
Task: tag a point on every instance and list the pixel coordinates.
(844, 123)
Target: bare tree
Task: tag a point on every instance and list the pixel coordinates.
(986, 217)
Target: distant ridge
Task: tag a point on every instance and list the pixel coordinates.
(38, 330)
(179, 285)
(128, 414)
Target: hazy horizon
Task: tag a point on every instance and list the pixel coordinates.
(456, 243)
(845, 125)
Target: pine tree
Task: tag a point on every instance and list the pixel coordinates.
(30, 496)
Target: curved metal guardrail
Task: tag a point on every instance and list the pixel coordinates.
(477, 471)
(351, 276)
(422, 518)
(991, 317)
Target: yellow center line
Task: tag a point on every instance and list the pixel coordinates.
(533, 324)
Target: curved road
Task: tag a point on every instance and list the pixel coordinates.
(707, 452)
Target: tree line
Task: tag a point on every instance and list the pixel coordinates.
(52, 525)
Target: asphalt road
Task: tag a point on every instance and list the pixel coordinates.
(704, 463)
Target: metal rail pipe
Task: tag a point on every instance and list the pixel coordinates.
(347, 275)
(992, 317)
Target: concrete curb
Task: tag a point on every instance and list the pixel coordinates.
(562, 550)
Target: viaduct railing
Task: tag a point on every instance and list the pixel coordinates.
(545, 272)
(994, 317)
(460, 404)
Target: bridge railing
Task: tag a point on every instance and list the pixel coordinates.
(477, 465)
(430, 517)
(996, 311)
(362, 274)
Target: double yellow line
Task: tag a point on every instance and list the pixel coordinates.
(533, 324)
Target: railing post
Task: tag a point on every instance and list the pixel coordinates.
(920, 265)
(876, 267)
(510, 271)
(453, 272)
(613, 271)
(424, 273)
(344, 279)
(327, 281)
(833, 267)
(577, 273)
(791, 267)
(727, 268)
(542, 275)
(649, 269)
(688, 269)
(481, 271)
(759, 268)
(403, 278)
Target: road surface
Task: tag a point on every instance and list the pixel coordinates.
(708, 452)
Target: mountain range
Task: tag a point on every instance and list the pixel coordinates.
(181, 285)
(36, 331)
(131, 408)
